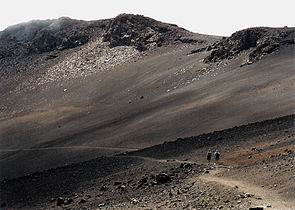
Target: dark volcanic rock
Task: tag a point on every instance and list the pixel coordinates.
(60, 201)
(262, 40)
(139, 31)
(103, 188)
(83, 201)
(142, 182)
(162, 178)
(40, 36)
(69, 201)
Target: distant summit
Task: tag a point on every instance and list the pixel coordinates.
(40, 36)
(141, 32)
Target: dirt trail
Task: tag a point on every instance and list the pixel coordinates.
(164, 160)
(262, 197)
(259, 196)
(69, 147)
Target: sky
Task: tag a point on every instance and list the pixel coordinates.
(215, 17)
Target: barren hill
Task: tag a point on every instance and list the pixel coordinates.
(74, 90)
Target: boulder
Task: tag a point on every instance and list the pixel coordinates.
(60, 201)
(162, 178)
(83, 200)
(103, 188)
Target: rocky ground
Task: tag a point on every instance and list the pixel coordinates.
(256, 169)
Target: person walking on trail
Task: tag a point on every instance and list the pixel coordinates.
(209, 154)
(216, 156)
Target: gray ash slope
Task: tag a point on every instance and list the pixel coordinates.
(129, 180)
(128, 83)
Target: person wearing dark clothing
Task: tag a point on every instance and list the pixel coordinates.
(209, 154)
(216, 156)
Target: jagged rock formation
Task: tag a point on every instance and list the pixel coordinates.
(41, 36)
(261, 41)
(141, 32)
(103, 44)
(46, 35)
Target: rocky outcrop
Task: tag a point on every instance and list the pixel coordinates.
(40, 36)
(260, 41)
(139, 31)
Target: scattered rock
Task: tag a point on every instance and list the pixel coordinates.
(69, 201)
(83, 200)
(60, 201)
(101, 204)
(117, 183)
(103, 188)
(142, 182)
(256, 208)
(134, 201)
(188, 165)
(199, 50)
(162, 178)
(121, 187)
(248, 195)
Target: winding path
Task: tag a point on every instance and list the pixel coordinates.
(268, 198)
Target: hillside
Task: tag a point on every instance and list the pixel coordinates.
(173, 175)
(73, 91)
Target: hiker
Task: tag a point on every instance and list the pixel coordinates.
(216, 156)
(209, 154)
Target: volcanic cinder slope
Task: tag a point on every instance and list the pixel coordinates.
(75, 90)
(107, 86)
